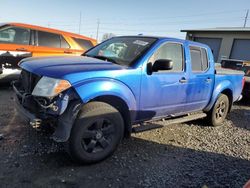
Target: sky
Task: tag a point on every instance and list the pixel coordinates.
(126, 17)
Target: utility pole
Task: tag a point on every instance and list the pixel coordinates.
(97, 31)
(245, 22)
(80, 22)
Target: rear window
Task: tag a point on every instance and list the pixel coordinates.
(48, 39)
(51, 40)
(85, 44)
(199, 59)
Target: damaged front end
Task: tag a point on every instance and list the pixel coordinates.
(58, 110)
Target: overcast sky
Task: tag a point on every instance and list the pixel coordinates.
(127, 17)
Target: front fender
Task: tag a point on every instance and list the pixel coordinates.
(219, 88)
(93, 88)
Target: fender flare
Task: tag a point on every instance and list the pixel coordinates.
(101, 87)
(222, 86)
(88, 91)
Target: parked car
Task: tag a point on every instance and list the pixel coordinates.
(243, 66)
(18, 41)
(95, 100)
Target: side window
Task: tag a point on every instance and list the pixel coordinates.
(85, 44)
(64, 43)
(172, 51)
(199, 59)
(15, 35)
(204, 59)
(48, 39)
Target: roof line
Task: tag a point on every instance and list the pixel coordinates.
(47, 29)
(220, 29)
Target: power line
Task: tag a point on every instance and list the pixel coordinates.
(157, 22)
(139, 30)
(147, 18)
(132, 27)
(183, 16)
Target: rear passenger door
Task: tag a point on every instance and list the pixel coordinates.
(201, 78)
(50, 44)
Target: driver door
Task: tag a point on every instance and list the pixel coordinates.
(164, 92)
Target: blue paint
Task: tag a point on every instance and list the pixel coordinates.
(151, 96)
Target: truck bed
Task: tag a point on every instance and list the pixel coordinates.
(225, 71)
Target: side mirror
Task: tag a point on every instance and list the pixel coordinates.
(162, 64)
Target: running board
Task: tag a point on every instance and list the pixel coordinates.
(159, 124)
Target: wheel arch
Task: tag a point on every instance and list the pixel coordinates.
(224, 87)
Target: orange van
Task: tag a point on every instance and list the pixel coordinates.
(18, 41)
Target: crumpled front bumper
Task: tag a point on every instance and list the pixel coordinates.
(25, 114)
(62, 122)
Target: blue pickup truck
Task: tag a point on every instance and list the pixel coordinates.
(117, 87)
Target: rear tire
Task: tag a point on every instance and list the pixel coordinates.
(97, 132)
(218, 113)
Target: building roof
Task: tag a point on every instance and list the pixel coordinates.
(220, 29)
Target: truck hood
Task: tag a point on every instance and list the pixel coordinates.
(57, 67)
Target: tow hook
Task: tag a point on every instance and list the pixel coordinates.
(36, 123)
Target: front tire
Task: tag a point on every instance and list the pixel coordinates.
(97, 132)
(218, 113)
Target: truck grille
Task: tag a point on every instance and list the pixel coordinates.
(28, 81)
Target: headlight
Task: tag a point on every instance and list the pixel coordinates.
(50, 87)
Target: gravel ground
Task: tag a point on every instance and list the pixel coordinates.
(183, 155)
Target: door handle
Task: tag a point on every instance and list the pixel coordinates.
(68, 52)
(21, 49)
(183, 80)
(208, 80)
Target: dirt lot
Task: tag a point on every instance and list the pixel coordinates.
(183, 155)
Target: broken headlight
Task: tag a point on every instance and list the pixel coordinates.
(50, 87)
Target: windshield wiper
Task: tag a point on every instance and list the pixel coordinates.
(103, 58)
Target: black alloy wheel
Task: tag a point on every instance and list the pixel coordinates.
(97, 132)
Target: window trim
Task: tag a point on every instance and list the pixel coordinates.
(208, 61)
(32, 38)
(183, 58)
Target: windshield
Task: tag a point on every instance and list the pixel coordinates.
(121, 50)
